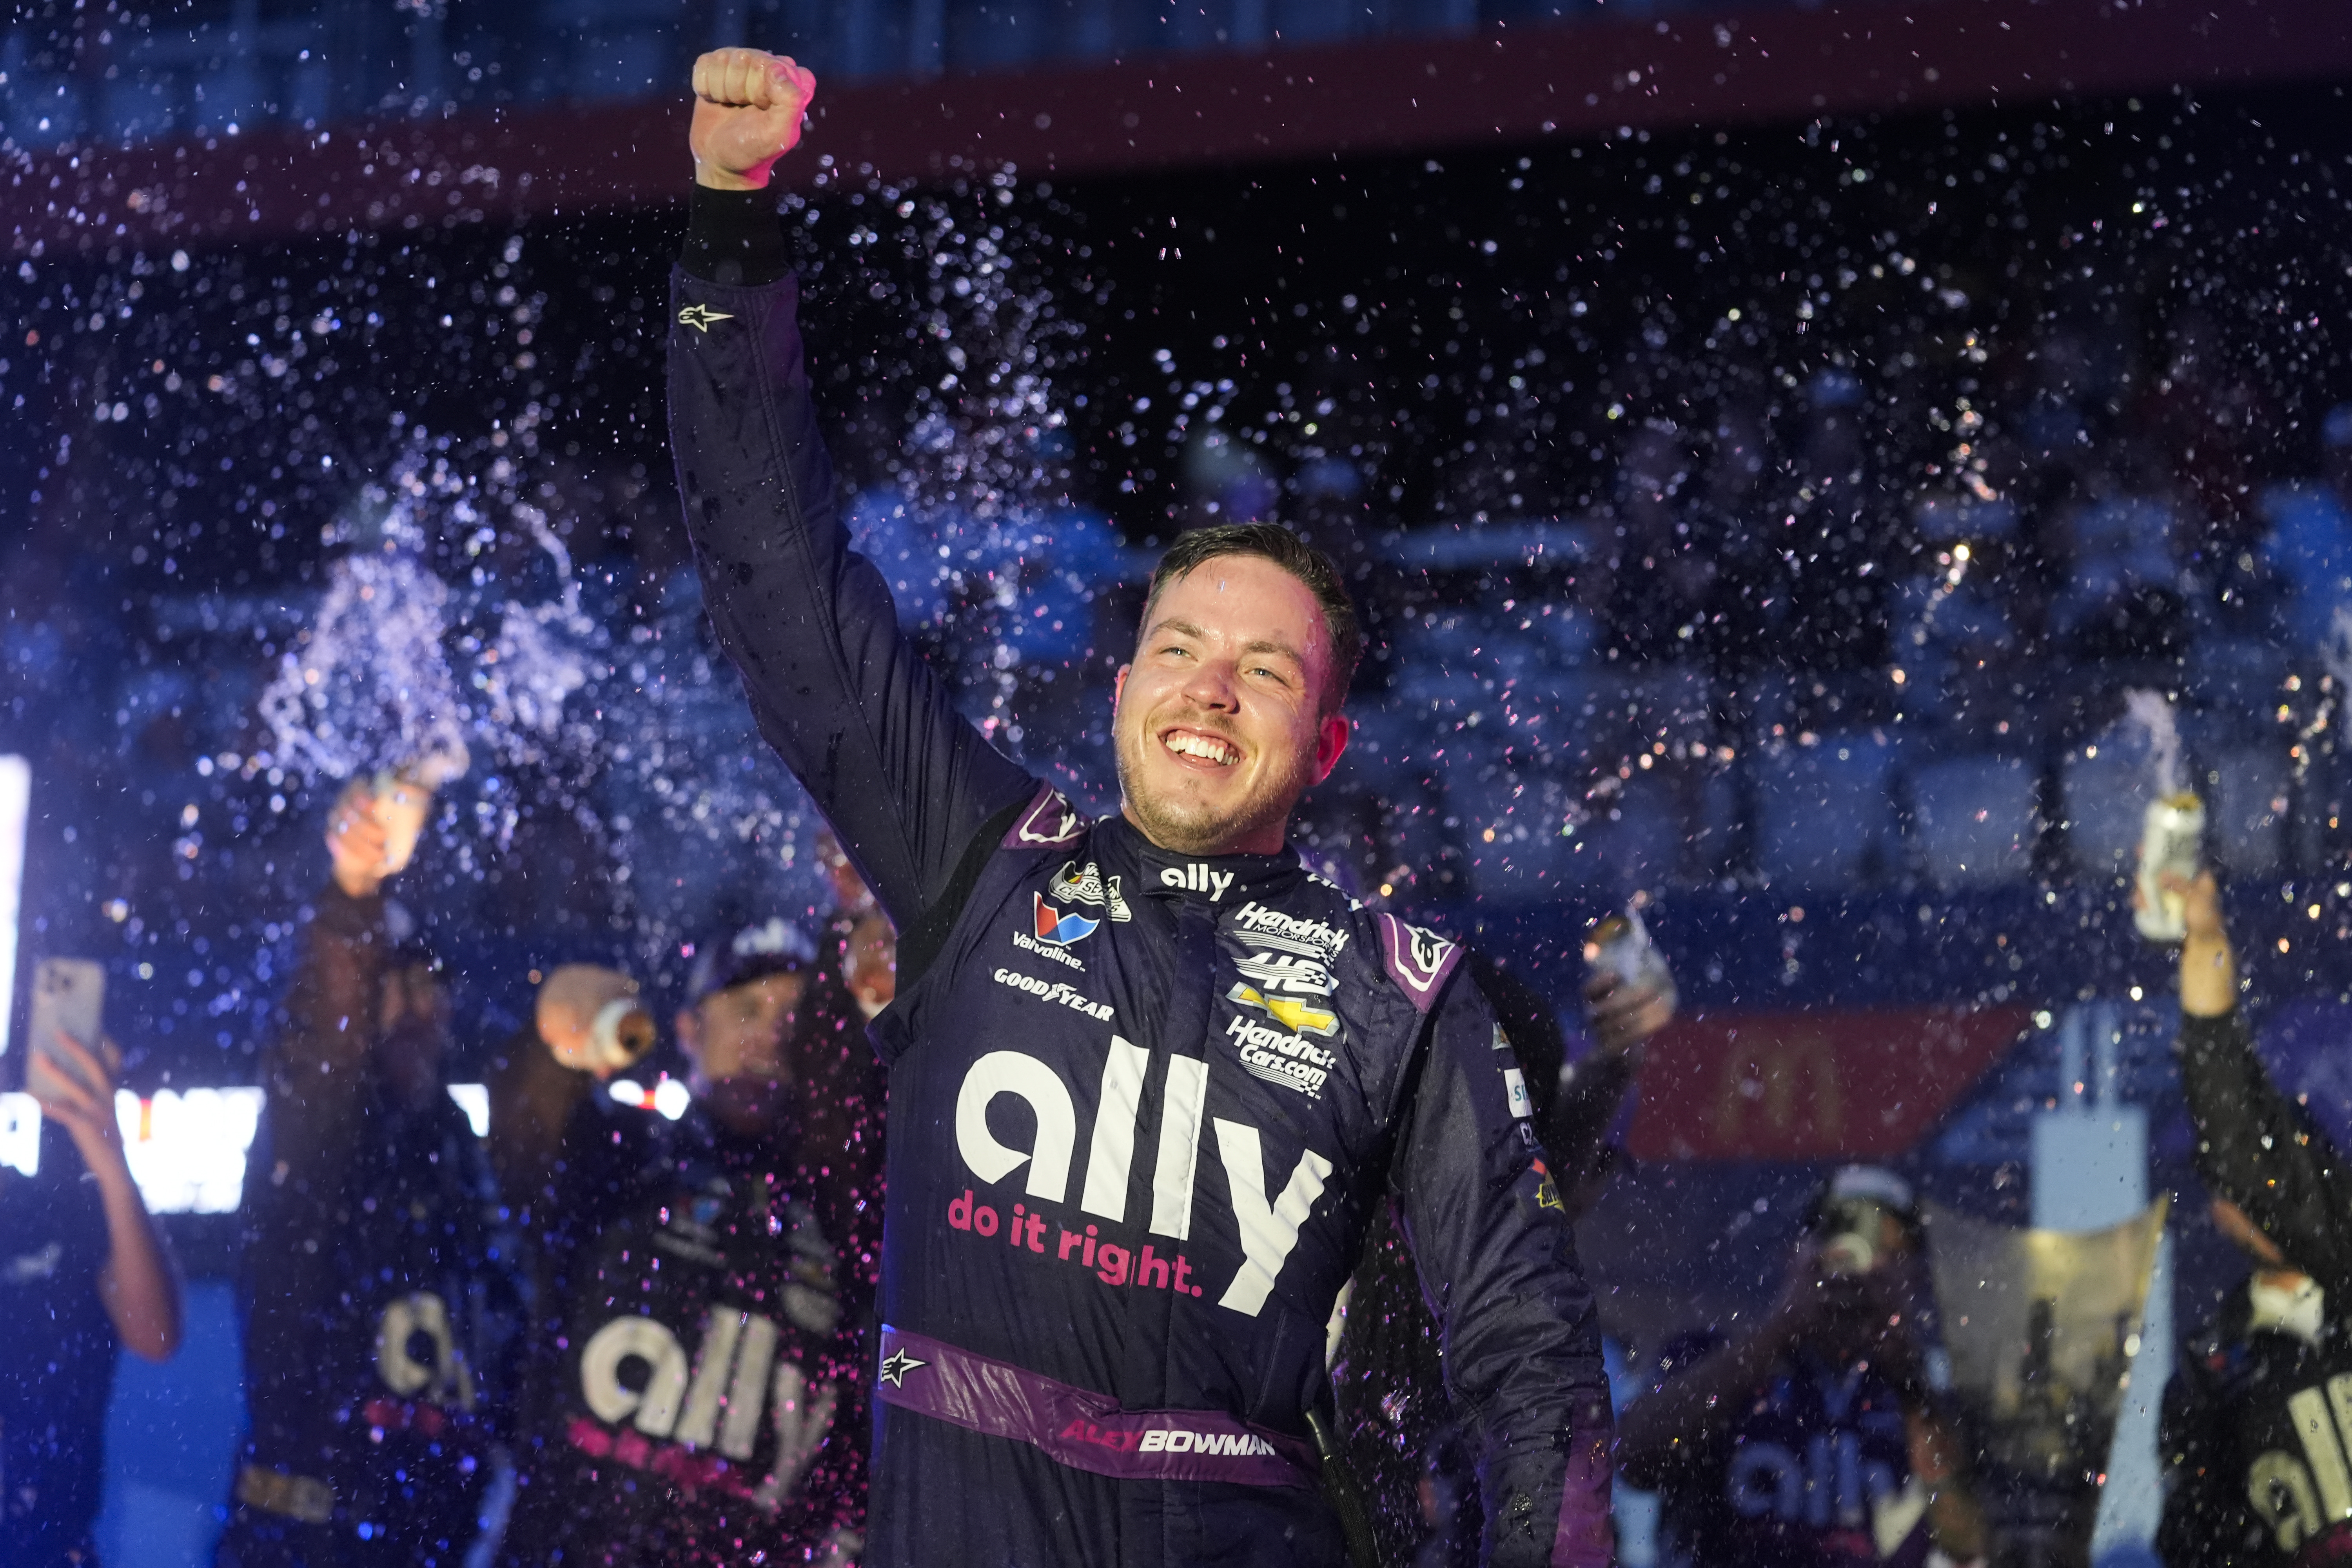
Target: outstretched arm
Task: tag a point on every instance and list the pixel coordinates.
(316, 1070)
(1498, 1261)
(2255, 1146)
(857, 714)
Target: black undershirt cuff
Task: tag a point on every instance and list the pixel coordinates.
(733, 238)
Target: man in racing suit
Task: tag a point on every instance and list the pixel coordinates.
(2258, 1420)
(1150, 1078)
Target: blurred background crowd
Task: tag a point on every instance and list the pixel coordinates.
(1761, 515)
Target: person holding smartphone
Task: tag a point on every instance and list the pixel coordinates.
(374, 1273)
(82, 1274)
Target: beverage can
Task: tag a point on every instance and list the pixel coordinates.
(2169, 841)
(622, 1034)
(1619, 944)
(594, 1019)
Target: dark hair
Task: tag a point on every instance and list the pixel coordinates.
(1277, 544)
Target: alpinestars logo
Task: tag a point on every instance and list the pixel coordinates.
(701, 317)
(1076, 884)
(1059, 927)
(897, 1365)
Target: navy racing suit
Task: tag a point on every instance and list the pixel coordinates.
(1143, 1107)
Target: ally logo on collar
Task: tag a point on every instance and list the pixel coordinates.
(701, 317)
(1059, 927)
(1197, 878)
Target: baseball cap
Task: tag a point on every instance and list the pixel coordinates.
(774, 946)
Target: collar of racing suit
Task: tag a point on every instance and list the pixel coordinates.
(1223, 881)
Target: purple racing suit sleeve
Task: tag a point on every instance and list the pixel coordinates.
(1498, 1261)
(868, 727)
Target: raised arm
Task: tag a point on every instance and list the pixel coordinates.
(139, 1285)
(2255, 1146)
(860, 718)
(1498, 1261)
(316, 1072)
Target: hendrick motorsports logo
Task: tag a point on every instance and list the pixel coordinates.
(1294, 932)
(1291, 1061)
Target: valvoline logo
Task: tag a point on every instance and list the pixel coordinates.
(1059, 927)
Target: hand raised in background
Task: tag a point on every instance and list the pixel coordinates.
(77, 1093)
(357, 839)
(748, 108)
(2208, 969)
(1620, 1013)
(372, 830)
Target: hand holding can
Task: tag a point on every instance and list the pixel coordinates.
(2169, 841)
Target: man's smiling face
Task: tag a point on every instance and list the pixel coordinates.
(1220, 721)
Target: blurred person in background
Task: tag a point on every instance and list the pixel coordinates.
(869, 944)
(2309, 547)
(1399, 1442)
(694, 1391)
(82, 1273)
(846, 1091)
(1659, 576)
(375, 1283)
(2255, 1466)
(1816, 1437)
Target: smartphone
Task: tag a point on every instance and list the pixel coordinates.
(68, 996)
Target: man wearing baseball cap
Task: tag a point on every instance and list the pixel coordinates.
(690, 1392)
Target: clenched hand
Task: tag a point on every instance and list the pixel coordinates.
(748, 108)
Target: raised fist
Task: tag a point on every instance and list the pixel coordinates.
(748, 108)
(371, 832)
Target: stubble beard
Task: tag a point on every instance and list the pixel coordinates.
(1183, 828)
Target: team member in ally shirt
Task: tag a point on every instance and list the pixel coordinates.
(695, 1385)
(373, 1279)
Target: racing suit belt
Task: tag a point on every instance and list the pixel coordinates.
(1081, 1429)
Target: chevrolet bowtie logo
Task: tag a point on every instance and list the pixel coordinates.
(1299, 1018)
(897, 1365)
(699, 316)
